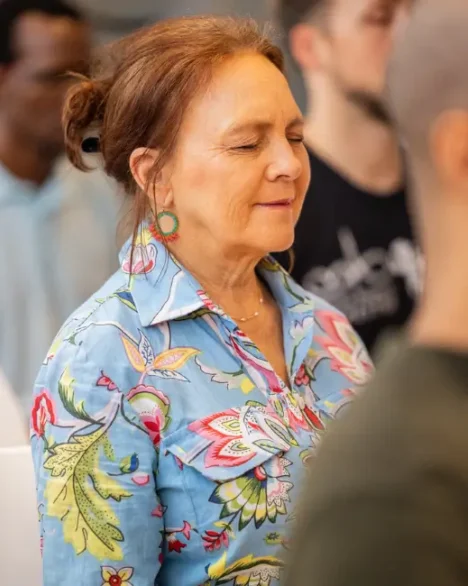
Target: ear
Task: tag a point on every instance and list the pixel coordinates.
(142, 162)
(449, 149)
(304, 43)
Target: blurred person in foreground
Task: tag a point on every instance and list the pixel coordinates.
(387, 499)
(354, 242)
(57, 225)
(172, 425)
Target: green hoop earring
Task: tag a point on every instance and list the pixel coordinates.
(167, 226)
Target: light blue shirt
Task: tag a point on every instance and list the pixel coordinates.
(167, 450)
(57, 246)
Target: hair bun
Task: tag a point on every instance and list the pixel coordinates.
(84, 110)
(90, 144)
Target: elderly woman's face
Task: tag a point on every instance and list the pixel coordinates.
(241, 169)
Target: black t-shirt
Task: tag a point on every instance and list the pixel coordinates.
(355, 249)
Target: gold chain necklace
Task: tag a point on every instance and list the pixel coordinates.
(253, 316)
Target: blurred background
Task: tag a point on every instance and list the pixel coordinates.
(114, 18)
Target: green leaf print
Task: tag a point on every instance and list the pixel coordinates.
(67, 395)
(194, 314)
(247, 571)
(275, 539)
(247, 497)
(78, 493)
(283, 433)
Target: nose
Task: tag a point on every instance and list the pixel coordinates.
(285, 162)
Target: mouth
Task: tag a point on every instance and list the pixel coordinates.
(280, 204)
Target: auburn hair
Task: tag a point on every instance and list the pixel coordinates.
(142, 86)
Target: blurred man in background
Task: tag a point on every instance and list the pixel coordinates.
(386, 502)
(57, 226)
(354, 241)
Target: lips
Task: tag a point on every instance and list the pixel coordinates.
(280, 203)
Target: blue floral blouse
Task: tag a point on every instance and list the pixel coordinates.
(167, 450)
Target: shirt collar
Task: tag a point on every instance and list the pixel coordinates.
(162, 290)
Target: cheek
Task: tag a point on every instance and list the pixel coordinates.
(193, 185)
(209, 187)
(374, 54)
(355, 57)
(303, 181)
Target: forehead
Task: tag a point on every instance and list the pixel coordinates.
(244, 90)
(43, 38)
(356, 8)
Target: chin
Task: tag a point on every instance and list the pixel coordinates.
(278, 243)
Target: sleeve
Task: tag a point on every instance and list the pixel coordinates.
(101, 523)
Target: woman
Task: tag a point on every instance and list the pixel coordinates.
(176, 409)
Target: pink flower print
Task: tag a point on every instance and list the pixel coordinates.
(43, 412)
(235, 436)
(143, 260)
(152, 406)
(260, 372)
(159, 511)
(186, 529)
(347, 353)
(313, 418)
(141, 479)
(173, 542)
(224, 431)
(213, 540)
(302, 378)
(105, 381)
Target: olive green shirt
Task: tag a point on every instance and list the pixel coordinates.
(386, 503)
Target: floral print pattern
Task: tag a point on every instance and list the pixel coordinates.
(43, 412)
(344, 347)
(153, 407)
(261, 494)
(164, 443)
(113, 577)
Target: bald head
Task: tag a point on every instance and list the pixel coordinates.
(428, 74)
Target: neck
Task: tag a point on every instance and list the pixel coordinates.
(442, 318)
(23, 160)
(230, 281)
(363, 149)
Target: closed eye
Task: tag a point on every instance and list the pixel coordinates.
(247, 147)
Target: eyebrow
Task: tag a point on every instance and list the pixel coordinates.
(260, 125)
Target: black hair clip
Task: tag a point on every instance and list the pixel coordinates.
(90, 145)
